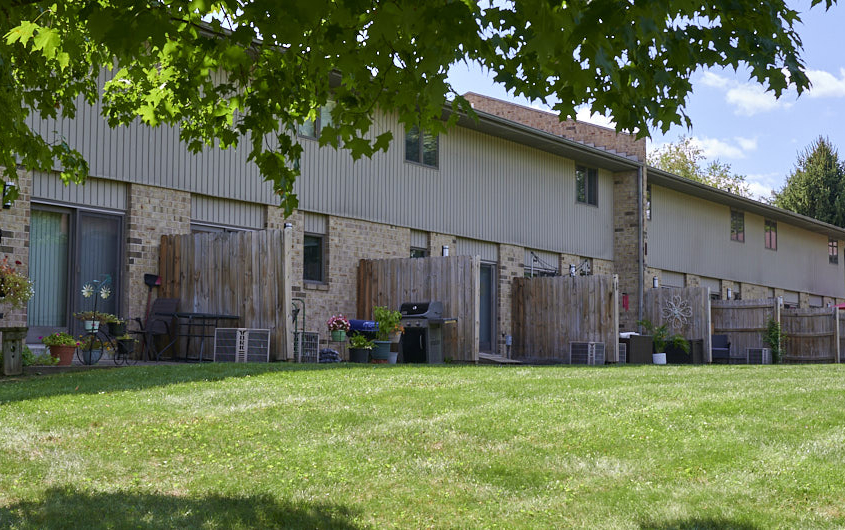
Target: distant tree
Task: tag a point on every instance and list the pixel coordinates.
(816, 187)
(686, 159)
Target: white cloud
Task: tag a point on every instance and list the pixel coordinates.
(737, 147)
(825, 84)
(596, 119)
(762, 185)
(751, 98)
(714, 80)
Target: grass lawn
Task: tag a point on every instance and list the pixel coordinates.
(222, 446)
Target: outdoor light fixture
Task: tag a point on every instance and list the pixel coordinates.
(445, 250)
(729, 293)
(288, 225)
(572, 270)
(6, 187)
(655, 283)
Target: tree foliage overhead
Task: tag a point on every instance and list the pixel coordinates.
(687, 160)
(816, 187)
(251, 70)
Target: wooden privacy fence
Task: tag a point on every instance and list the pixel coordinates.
(550, 313)
(242, 273)
(453, 280)
(744, 321)
(685, 311)
(812, 335)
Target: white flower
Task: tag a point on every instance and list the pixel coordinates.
(87, 290)
(105, 292)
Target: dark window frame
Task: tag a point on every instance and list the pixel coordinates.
(420, 148)
(323, 277)
(419, 252)
(833, 251)
(318, 123)
(648, 202)
(770, 227)
(587, 185)
(738, 226)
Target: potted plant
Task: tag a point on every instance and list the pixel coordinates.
(661, 337)
(388, 322)
(338, 326)
(15, 288)
(91, 348)
(126, 344)
(359, 348)
(117, 326)
(62, 346)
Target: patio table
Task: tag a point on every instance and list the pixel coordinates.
(196, 326)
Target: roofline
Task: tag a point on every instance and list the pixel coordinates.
(704, 191)
(552, 143)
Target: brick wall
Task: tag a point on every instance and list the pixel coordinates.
(348, 241)
(14, 223)
(151, 213)
(622, 143)
(749, 291)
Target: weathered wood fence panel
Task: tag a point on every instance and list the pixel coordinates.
(743, 321)
(550, 313)
(685, 311)
(812, 335)
(242, 273)
(453, 280)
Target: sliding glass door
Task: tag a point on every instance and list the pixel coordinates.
(69, 248)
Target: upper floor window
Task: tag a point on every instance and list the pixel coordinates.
(421, 147)
(313, 128)
(833, 251)
(771, 228)
(586, 185)
(737, 226)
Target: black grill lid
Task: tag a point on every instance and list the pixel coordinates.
(421, 309)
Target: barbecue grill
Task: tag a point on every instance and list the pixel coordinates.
(422, 341)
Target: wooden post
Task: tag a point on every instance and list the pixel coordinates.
(614, 347)
(12, 350)
(287, 281)
(708, 329)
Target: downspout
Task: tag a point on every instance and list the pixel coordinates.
(640, 249)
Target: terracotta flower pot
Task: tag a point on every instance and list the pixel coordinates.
(63, 353)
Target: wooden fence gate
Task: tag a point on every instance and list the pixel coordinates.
(812, 335)
(550, 313)
(685, 311)
(241, 273)
(453, 280)
(744, 321)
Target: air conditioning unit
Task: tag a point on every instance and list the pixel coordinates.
(306, 347)
(591, 353)
(241, 345)
(759, 355)
(623, 353)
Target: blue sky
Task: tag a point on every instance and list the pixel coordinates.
(735, 121)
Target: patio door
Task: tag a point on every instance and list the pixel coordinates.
(69, 248)
(487, 303)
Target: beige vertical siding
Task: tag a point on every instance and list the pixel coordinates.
(485, 188)
(692, 235)
(99, 193)
(205, 209)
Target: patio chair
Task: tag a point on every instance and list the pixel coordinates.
(720, 349)
(156, 326)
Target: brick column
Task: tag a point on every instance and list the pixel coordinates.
(511, 266)
(14, 223)
(626, 243)
(152, 212)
